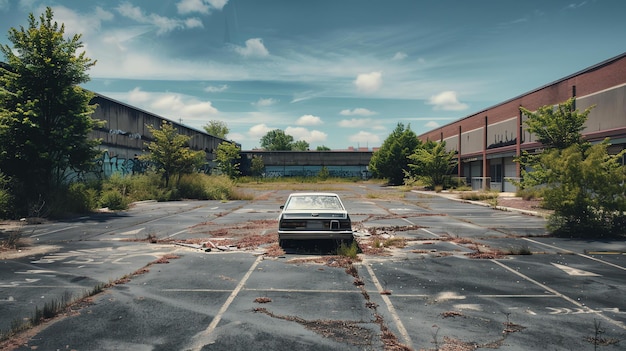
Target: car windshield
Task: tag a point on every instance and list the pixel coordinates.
(314, 202)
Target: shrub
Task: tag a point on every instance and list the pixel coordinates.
(529, 193)
(114, 200)
(350, 251)
(479, 195)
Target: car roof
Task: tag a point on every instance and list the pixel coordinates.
(313, 193)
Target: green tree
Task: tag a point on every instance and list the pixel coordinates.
(432, 164)
(170, 153)
(257, 166)
(277, 140)
(583, 184)
(391, 160)
(557, 127)
(323, 148)
(45, 118)
(226, 157)
(217, 128)
(300, 145)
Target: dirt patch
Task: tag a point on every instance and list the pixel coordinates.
(349, 332)
(26, 251)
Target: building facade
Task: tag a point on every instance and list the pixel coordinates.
(125, 135)
(486, 142)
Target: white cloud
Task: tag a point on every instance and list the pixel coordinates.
(190, 6)
(138, 97)
(355, 123)
(310, 136)
(169, 105)
(309, 120)
(259, 130)
(399, 56)
(163, 24)
(366, 138)
(265, 102)
(199, 6)
(85, 24)
(193, 22)
(357, 112)
(254, 48)
(369, 82)
(218, 4)
(431, 124)
(447, 101)
(178, 106)
(216, 89)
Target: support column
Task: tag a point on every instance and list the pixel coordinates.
(485, 163)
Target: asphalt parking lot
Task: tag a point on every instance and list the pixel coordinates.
(462, 277)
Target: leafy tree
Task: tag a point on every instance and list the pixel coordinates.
(558, 127)
(391, 160)
(583, 184)
(277, 140)
(45, 118)
(300, 145)
(170, 153)
(226, 157)
(323, 148)
(217, 128)
(257, 166)
(432, 163)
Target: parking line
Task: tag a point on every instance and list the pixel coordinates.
(201, 337)
(396, 318)
(566, 298)
(431, 233)
(578, 254)
(52, 231)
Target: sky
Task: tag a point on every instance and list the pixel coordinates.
(335, 73)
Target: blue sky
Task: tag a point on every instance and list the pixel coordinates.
(337, 73)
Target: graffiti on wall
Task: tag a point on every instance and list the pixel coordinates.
(128, 134)
(125, 166)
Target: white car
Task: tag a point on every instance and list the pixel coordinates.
(307, 216)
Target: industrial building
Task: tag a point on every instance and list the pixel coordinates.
(487, 141)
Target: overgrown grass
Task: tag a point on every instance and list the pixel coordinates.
(49, 310)
(529, 194)
(350, 251)
(479, 195)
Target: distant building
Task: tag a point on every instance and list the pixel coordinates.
(341, 163)
(487, 141)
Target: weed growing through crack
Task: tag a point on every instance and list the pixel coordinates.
(56, 307)
(350, 251)
(597, 339)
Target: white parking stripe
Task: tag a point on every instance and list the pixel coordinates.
(203, 337)
(53, 231)
(431, 233)
(578, 254)
(566, 298)
(396, 318)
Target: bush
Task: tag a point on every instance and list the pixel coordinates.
(479, 195)
(529, 193)
(114, 200)
(6, 197)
